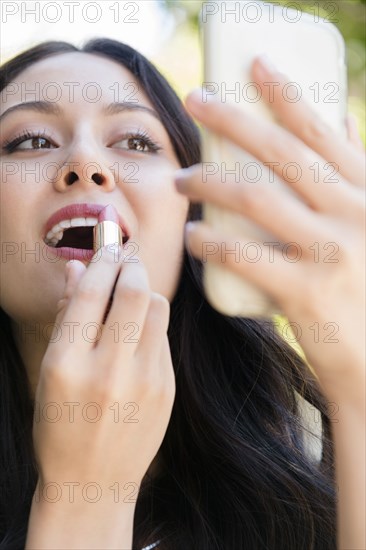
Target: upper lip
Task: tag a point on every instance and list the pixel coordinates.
(81, 210)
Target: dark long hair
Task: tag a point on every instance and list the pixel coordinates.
(234, 472)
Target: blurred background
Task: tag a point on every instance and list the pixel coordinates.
(182, 61)
(167, 32)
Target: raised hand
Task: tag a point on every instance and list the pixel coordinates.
(325, 219)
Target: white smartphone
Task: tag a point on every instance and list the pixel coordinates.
(311, 52)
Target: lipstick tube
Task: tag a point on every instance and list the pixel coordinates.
(105, 233)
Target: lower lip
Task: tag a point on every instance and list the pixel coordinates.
(72, 253)
(82, 254)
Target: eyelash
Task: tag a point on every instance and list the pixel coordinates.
(153, 146)
(10, 145)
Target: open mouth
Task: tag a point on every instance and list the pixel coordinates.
(77, 237)
(74, 234)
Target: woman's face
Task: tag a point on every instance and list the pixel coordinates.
(83, 151)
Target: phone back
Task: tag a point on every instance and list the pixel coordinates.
(311, 52)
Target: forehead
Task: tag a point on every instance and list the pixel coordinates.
(75, 76)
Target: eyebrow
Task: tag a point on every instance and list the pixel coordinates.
(49, 108)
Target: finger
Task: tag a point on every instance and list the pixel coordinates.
(276, 211)
(125, 322)
(166, 360)
(153, 368)
(74, 270)
(167, 369)
(270, 271)
(294, 162)
(155, 327)
(353, 133)
(89, 298)
(306, 124)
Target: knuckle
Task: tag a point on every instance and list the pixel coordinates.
(146, 384)
(151, 387)
(280, 143)
(314, 128)
(252, 197)
(158, 313)
(134, 292)
(165, 394)
(88, 290)
(135, 271)
(149, 383)
(54, 373)
(159, 303)
(107, 393)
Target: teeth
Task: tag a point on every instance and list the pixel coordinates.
(55, 235)
(65, 224)
(78, 222)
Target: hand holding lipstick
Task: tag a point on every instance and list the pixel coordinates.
(106, 371)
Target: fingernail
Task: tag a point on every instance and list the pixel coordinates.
(267, 63)
(194, 100)
(180, 179)
(196, 96)
(189, 227)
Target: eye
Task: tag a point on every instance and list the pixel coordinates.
(137, 144)
(37, 142)
(28, 141)
(140, 142)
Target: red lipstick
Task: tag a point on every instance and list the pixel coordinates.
(107, 231)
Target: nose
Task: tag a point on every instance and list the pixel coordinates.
(81, 170)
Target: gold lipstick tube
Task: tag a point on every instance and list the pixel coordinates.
(105, 233)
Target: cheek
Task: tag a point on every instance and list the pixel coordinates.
(29, 293)
(30, 283)
(162, 256)
(22, 189)
(160, 239)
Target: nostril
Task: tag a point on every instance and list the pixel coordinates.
(70, 178)
(97, 178)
